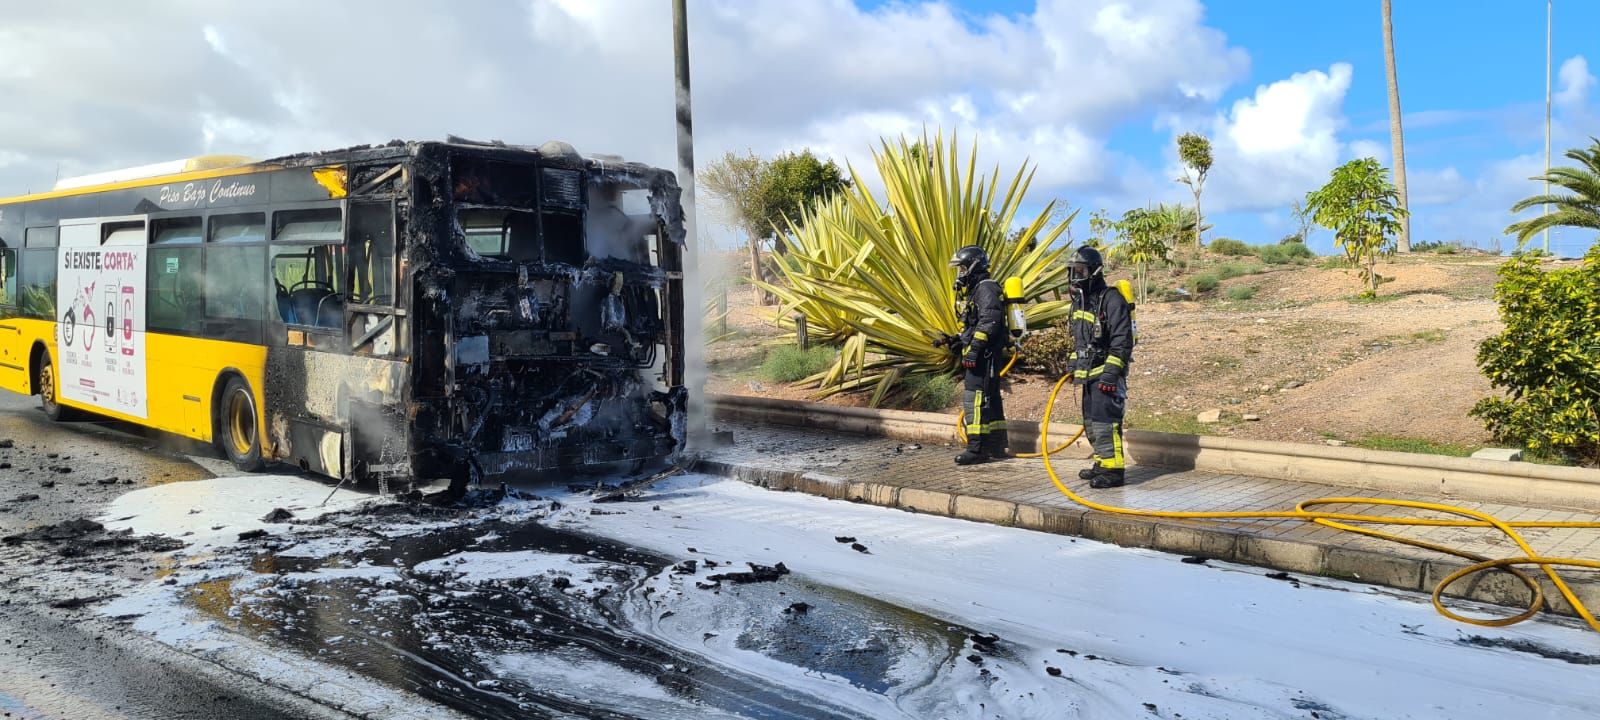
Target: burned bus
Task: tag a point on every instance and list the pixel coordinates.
(393, 313)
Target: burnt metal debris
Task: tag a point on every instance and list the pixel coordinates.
(535, 322)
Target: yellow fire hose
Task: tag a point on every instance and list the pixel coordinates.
(1340, 521)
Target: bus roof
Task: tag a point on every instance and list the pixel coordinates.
(196, 168)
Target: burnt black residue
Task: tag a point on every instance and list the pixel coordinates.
(426, 634)
(80, 536)
(1532, 648)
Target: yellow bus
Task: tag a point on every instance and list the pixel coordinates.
(404, 312)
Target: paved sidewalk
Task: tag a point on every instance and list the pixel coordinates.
(904, 475)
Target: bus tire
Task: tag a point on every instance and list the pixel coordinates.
(44, 375)
(239, 425)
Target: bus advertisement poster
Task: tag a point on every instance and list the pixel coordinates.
(100, 331)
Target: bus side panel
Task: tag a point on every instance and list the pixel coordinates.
(318, 397)
(182, 375)
(17, 339)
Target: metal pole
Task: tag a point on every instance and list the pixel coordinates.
(1549, 11)
(693, 283)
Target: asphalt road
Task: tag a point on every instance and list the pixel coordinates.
(65, 663)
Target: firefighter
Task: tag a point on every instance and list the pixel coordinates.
(982, 341)
(1102, 341)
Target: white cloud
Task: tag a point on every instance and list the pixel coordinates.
(1370, 149)
(1575, 82)
(1272, 147)
(768, 76)
(1426, 187)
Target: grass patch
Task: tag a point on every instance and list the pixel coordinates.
(1224, 362)
(1428, 336)
(1233, 270)
(1177, 423)
(1241, 292)
(1413, 445)
(789, 363)
(929, 392)
(1228, 246)
(1334, 262)
(1204, 282)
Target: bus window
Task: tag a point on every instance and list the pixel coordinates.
(371, 253)
(176, 276)
(36, 273)
(308, 285)
(122, 233)
(41, 237)
(8, 270)
(563, 238)
(502, 234)
(241, 228)
(321, 225)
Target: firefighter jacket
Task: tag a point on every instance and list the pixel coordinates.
(1102, 334)
(983, 319)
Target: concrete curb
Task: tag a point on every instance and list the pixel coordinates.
(1195, 538)
(1450, 478)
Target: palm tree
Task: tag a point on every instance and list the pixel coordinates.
(1578, 207)
(1396, 136)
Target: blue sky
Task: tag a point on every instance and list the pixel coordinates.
(1472, 78)
(1092, 91)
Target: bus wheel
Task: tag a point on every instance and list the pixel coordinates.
(238, 426)
(46, 377)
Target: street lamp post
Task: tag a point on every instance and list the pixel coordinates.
(693, 284)
(1549, 11)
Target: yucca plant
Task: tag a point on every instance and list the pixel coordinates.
(875, 276)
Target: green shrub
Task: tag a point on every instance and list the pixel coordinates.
(1233, 270)
(1241, 292)
(790, 363)
(1547, 360)
(929, 392)
(1437, 247)
(1228, 246)
(1050, 349)
(1297, 251)
(1272, 254)
(1204, 282)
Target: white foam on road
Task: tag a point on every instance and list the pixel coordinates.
(1221, 641)
(207, 514)
(587, 575)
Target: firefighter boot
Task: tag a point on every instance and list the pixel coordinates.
(974, 454)
(1088, 473)
(995, 444)
(1107, 479)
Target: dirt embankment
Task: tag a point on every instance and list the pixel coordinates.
(1304, 355)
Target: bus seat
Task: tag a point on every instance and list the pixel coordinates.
(304, 302)
(286, 308)
(330, 311)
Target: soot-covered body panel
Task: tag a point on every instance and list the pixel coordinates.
(535, 323)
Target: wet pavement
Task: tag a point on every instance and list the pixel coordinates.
(517, 604)
(56, 662)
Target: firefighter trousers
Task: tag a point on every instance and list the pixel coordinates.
(1102, 422)
(986, 417)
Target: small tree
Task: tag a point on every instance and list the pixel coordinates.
(1195, 152)
(1303, 221)
(1100, 229)
(735, 181)
(789, 184)
(1143, 238)
(1547, 360)
(1361, 207)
